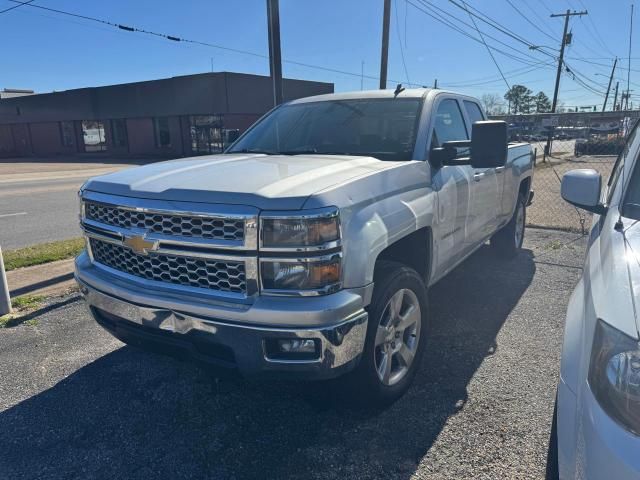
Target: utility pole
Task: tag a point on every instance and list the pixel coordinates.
(362, 75)
(615, 97)
(275, 60)
(629, 64)
(564, 42)
(606, 97)
(384, 58)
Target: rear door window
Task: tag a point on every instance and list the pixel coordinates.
(474, 112)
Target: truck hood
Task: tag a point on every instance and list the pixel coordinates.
(275, 182)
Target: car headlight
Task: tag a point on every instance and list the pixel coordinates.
(311, 275)
(300, 252)
(311, 229)
(614, 375)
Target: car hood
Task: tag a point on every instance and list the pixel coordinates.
(275, 182)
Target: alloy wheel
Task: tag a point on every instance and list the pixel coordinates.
(397, 336)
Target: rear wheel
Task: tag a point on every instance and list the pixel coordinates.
(508, 241)
(396, 335)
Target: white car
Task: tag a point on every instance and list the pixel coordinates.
(597, 424)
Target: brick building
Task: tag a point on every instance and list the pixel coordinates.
(173, 117)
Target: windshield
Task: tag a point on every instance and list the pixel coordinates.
(380, 128)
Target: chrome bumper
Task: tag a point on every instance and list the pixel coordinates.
(238, 346)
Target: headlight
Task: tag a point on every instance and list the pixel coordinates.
(310, 275)
(306, 230)
(614, 375)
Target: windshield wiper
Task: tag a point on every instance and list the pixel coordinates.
(253, 150)
(302, 151)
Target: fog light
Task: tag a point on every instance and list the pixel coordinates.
(297, 349)
(297, 345)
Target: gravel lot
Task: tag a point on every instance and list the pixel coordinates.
(75, 403)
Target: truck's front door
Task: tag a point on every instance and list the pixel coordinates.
(487, 185)
(453, 186)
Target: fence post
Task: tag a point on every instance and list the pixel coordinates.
(5, 301)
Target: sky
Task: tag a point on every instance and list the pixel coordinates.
(48, 51)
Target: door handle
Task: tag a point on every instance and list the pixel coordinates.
(499, 169)
(478, 176)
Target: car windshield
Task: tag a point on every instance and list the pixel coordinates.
(380, 128)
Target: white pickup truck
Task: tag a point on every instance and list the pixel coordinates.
(307, 248)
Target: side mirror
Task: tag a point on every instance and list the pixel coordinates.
(582, 188)
(489, 144)
(444, 155)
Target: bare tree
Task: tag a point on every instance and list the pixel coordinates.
(492, 103)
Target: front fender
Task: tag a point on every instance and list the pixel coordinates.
(376, 211)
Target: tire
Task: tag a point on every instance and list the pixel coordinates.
(552, 472)
(389, 363)
(508, 240)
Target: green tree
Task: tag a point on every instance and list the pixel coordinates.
(519, 98)
(542, 103)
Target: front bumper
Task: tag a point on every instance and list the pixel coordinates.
(151, 320)
(590, 444)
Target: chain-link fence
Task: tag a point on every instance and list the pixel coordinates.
(570, 140)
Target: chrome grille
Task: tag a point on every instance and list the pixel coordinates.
(226, 276)
(218, 228)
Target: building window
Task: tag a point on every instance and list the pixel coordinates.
(119, 132)
(162, 133)
(206, 134)
(67, 134)
(93, 136)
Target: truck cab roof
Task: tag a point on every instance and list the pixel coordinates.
(371, 94)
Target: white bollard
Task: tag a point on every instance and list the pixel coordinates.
(5, 301)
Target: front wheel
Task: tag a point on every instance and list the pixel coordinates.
(396, 335)
(508, 240)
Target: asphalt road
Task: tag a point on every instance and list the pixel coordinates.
(76, 403)
(38, 200)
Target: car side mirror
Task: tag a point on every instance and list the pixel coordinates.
(441, 156)
(582, 188)
(489, 144)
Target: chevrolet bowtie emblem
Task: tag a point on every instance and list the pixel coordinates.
(140, 245)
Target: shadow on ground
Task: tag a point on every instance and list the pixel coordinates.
(132, 414)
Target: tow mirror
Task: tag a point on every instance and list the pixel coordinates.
(489, 144)
(582, 188)
(444, 155)
(486, 149)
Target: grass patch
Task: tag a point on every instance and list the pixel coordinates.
(21, 307)
(43, 253)
(26, 302)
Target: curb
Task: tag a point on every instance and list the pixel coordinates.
(53, 278)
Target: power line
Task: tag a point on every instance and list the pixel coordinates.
(492, 23)
(173, 38)
(404, 63)
(20, 4)
(528, 20)
(437, 12)
(487, 46)
(597, 35)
